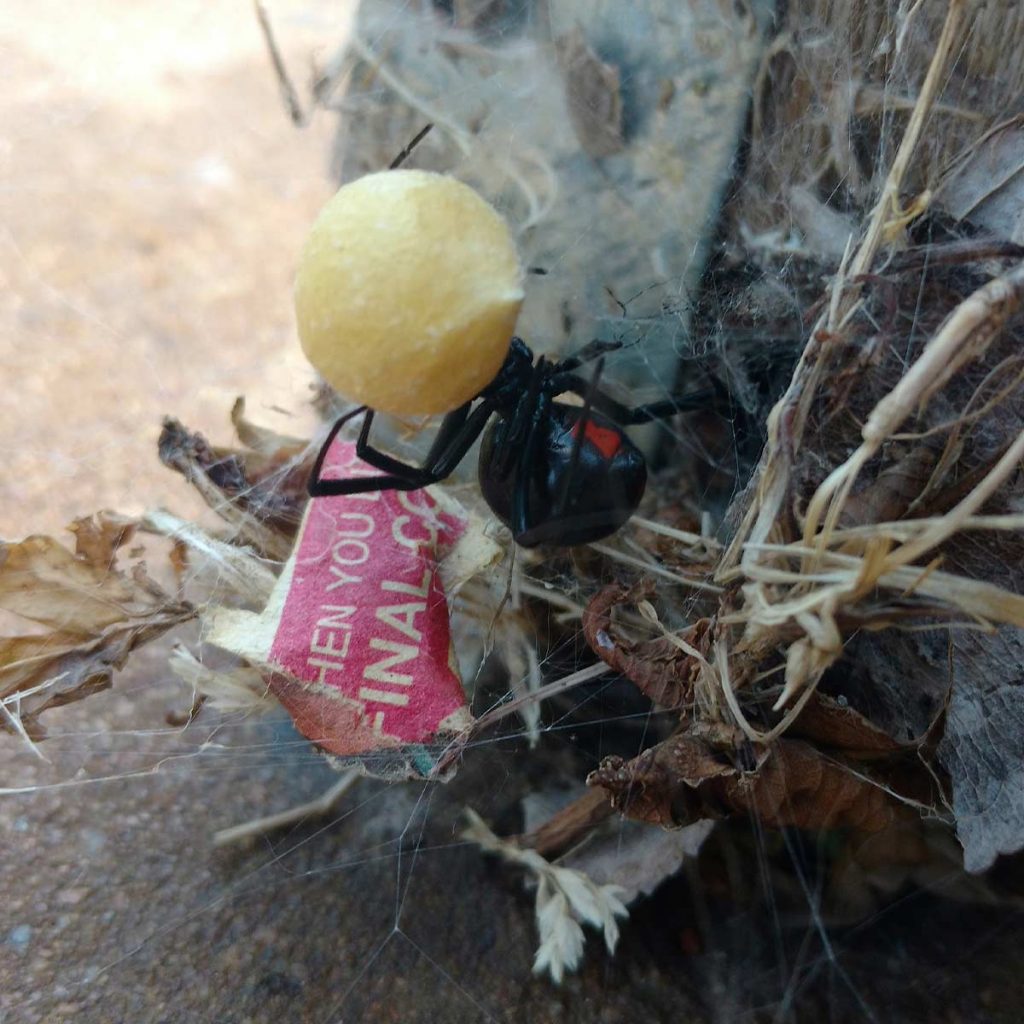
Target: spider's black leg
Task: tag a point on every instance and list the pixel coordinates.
(579, 432)
(444, 461)
(450, 426)
(455, 437)
(528, 464)
(655, 410)
(318, 487)
(516, 428)
(366, 485)
(625, 415)
(404, 155)
(365, 451)
(315, 482)
(523, 437)
(387, 463)
(589, 352)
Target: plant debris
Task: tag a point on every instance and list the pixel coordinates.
(663, 669)
(875, 552)
(566, 900)
(91, 616)
(862, 662)
(685, 779)
(592, 93)
(259, 489)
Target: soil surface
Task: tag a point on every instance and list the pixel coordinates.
(155, 195)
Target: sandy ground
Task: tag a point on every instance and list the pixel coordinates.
(154, 196)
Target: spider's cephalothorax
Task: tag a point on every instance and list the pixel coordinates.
(553, 472)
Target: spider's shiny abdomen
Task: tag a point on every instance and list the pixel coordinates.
(604, 487)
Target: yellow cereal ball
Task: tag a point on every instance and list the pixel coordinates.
(407, 292)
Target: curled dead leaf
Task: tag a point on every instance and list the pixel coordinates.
(94, 616)
(891, 493)
(984, 185)
(831, 725)
(478, 15)
(788, 784)
(262, 439)
(42, 581)
(569, 825)
(260, 489)
(97, 537)
(659, 668)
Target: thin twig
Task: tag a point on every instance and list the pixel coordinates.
(683, 536)
(434, 115)
(323, 804)
(888, 200)
(584, 675)
(655, 569)
(284, 82)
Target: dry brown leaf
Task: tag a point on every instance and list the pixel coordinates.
(478, 15)
(834, 726)
(891, 493)
(983, 744)
(627, 854)
(695, 775)
(824, 230)
(260, 494)
(231, 571)
(660, 669)
(96, 616)
(870, 873)
(42, 581)
(568, 826)
(98, 537)
(635, 857)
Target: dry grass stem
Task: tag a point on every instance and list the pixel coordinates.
(546, 692)
(238, 569)
(652, 567)
(242, 689)
(965, 336)
(318, 807)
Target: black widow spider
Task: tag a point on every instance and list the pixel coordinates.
(554, 473)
